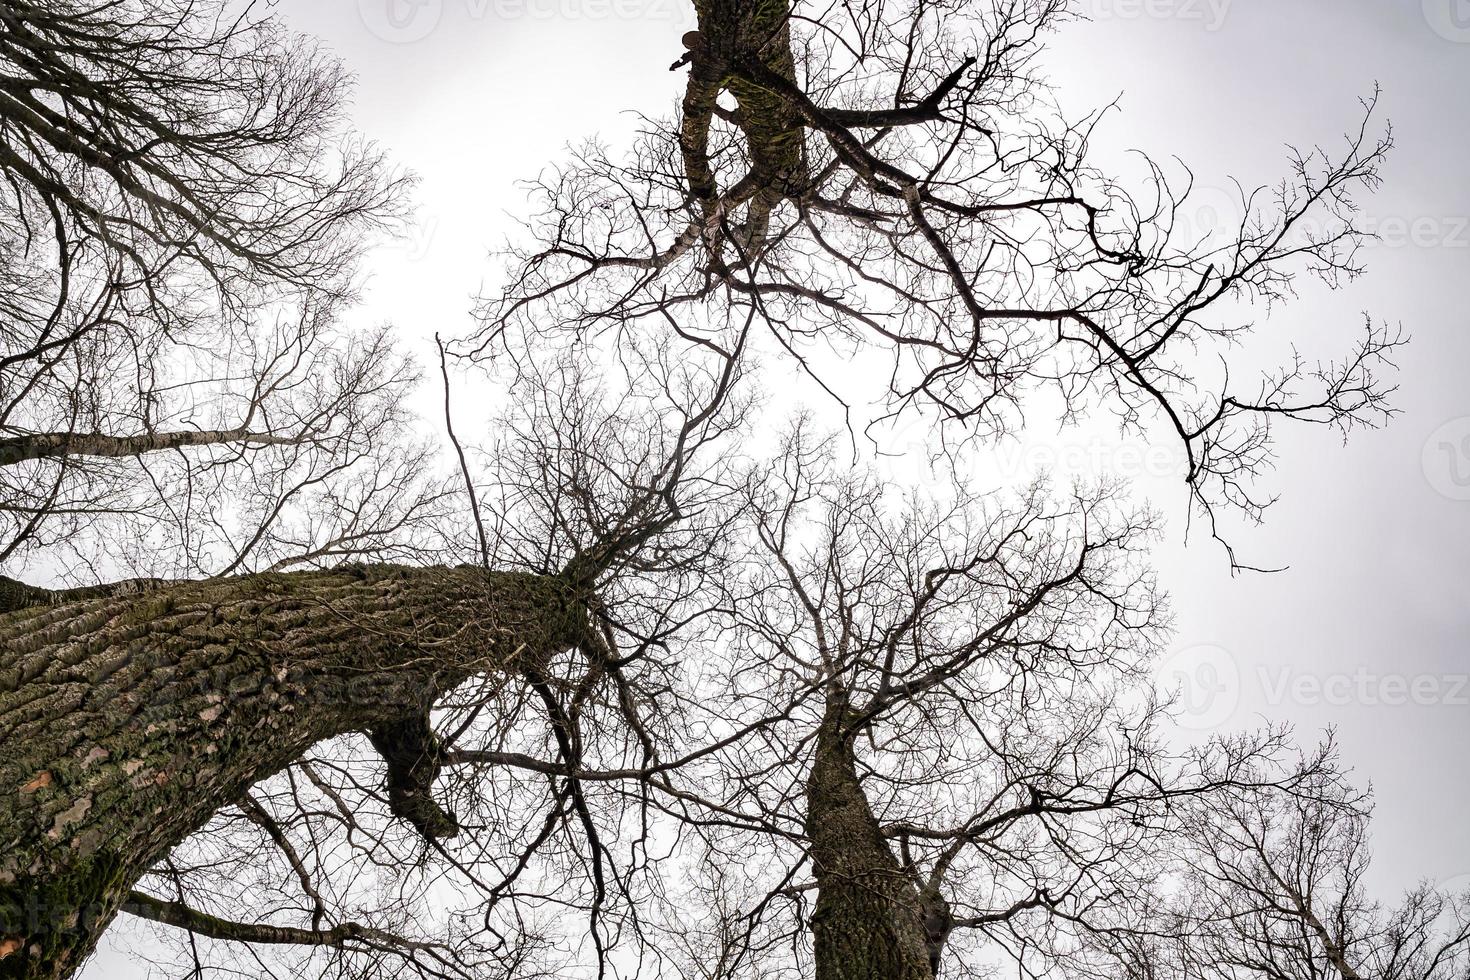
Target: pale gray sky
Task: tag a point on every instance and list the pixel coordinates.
(1369, 629)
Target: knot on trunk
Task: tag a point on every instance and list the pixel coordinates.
(415, 756)
(693, 46)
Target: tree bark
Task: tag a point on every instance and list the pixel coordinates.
(46, 445)
(127, 721)
(869, 922)
(733, 33)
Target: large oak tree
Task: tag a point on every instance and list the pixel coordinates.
(700, 679)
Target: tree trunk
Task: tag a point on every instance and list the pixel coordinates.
(732, 34)
(757, 31)
(127, 721)
(869, 922)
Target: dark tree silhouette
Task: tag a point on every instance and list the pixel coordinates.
(895, 177)
(180, 221)
(911, 187)
(679, 687)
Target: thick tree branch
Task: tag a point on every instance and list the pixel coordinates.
(49, 445)
(127, 721)
(181, 916)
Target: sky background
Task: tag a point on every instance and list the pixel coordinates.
(1369, 628)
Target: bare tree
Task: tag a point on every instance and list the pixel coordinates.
(1272, 885)
(1283, 883)
(895, 176)
(955, 756)
(180, 221)
(715, 706)
(199, 748)
(130, 720)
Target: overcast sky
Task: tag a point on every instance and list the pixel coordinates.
(1369, 629)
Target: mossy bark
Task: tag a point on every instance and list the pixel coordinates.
(869, 922)
(759, 31)
(127, 721)
(733, 33)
